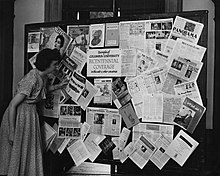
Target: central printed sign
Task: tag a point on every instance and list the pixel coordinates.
(104, 63)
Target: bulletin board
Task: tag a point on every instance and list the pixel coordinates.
(195, 164)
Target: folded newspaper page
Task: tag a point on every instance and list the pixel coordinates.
(152, 131)
(144, 149)
(103, 121)
(78, 152)
(160, 158)
(157, 33)
(181, 147)
(185, 29)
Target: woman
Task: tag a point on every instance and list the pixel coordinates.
(59, 42)
(20, 137)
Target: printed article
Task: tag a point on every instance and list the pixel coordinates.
(189, 115)
(80, 36)
(152, 131)
(70, 111)
(103, 121)
(181, 147)
(96, 35)
(33, 42)
(144, 149)
(185, 29)
(104, 93)
(111, 34)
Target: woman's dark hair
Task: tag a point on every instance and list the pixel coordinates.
(45, 57)
(61, 39)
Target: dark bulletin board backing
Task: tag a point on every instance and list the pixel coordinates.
(195, 165)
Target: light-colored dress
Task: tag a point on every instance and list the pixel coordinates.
(24, 157)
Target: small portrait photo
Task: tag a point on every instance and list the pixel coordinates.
(184, 117)
(132, 120)
(155, 26)
(167, 26)
(76, 132)
(98, 118)
(63, 110)
(114, 121)
(189, 26)
(70, 110)
(85, 93)
(77, 110)
(158, 46)
(157, 80)
(173, 37)
(174, 63)
(178, 81)
(189, 72)
(143, 149)
(69, 132)
(62, 132)
(179, 66)
(96, 37)
(150, 35)
(49, 103)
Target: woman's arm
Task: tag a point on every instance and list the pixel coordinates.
(58, 86)
(12, 114)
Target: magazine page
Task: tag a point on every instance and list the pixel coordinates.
(92, 144)
(120, 95)
(181, 147)
(54, 37)
(76, 86)
(185, 29)
(160, 158)
(87, 94)
(104, 62)
(126, 152)
(123, 138)
(181, 70)
(129, 116)
(152, 131)
(49, 106)
(107, 146)
(70, 111)
(96, 35)
(189, 89)
(153, 108)
(171, 106)
(111, 34)
(80, 36)
(104, 93)
(78, 152)
(189, 115)
(128, 62)
(157, 33)
(124, 27)
(78, 58)
(144, 149)
(69, 128)
(33, 42)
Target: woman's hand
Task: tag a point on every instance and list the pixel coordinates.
(63, 83)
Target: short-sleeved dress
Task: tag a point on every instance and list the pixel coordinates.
(24, 157)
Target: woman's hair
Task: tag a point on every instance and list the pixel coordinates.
(45, 57)
(61, 39)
